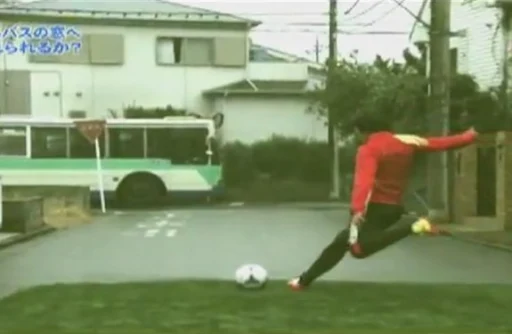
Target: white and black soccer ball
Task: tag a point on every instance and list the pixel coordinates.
(251, 276)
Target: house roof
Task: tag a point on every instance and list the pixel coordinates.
(260, 87)
(149, 10)
(262, 53)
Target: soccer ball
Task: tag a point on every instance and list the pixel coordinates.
(251, 276)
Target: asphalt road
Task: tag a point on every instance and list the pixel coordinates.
(211, 243)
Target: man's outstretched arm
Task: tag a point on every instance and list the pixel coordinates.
(441, 143)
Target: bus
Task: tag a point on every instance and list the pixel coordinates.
(143, 160)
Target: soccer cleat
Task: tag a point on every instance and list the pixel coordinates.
(295, 284)
(424, 226)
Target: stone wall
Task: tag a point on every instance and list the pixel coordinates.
(62, 205)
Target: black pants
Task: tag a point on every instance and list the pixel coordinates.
(375, 234)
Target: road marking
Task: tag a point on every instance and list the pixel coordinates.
(151, 233)
(141, 226)
(171, 233)
(161, 223)
(170, 215)
(236, 204)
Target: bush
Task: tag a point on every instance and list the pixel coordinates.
(277, 158)
(280, 168)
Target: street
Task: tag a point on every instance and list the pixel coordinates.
(213, 242)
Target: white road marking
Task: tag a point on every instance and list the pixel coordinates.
(142, 225)
(161, 223)
(172, 233)
(151, 233)
(170, 215)
(236, 204)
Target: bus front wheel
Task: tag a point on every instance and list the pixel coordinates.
(141, 189)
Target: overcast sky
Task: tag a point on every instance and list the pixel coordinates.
(293, 26)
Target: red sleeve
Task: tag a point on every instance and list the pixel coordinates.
(364, 179)
(449, 142)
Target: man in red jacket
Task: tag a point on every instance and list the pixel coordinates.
(383, 165)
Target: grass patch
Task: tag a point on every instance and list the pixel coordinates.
(215, 307)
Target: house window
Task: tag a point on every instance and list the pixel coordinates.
(168, 50)
(95, 49)
(184, 51)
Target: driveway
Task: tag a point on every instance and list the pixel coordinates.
(212, 242)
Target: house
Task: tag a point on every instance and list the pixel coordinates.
(153, 53)
(479, 44)
(280, 106)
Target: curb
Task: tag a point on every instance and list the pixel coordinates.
(297, 205)
(16, 239)
(487, 244)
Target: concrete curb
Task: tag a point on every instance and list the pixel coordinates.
(460, 236)
(296, 205)
(15, 239)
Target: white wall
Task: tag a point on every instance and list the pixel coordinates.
(480, 48)
(252, 118)
(138, 81)
(483, 44)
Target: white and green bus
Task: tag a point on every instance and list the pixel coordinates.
(143, 160)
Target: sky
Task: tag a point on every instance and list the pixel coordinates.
(294, 26)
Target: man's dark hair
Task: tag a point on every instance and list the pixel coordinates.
(370, 123)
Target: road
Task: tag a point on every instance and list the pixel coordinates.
(211, 243)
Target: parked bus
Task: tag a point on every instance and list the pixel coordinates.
(143, 160)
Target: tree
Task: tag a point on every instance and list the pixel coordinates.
(400, 91)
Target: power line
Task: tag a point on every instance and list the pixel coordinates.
(366, 11)
(410, 12)
(340, 31)
(384, 15)
(354, 5)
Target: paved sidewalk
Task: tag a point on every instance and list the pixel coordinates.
(491, 236)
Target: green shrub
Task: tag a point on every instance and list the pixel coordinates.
(281, 158)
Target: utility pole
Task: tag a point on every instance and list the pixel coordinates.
(439, 113)
(332, 64)
(504, 87)
(317, 49)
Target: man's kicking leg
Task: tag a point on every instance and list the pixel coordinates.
(330, 257)
(371, 240)
(371, 243)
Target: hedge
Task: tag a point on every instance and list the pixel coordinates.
(282, 165)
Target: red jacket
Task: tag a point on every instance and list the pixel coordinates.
(384, 162)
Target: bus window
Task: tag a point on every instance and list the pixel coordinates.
(49, 142)
(81, 148)
(126, 143)
(13, 141)
(159, 144)
(189, 146)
